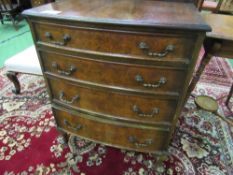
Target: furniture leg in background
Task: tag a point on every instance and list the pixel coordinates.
(12, 76)
(23, 62)
(12, 10)
(1, 18)
(219, 42)
(211, 48)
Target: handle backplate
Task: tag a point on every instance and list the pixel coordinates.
(73, 127)
(65, 39)
(153, 113)
(139, 79)
(146, 49)
(137, 144)
(62, 95)
(68, 72)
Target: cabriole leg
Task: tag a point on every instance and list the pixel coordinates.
(12, 76)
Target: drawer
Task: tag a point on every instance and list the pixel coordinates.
(112, 133)
(145, 109)
(137, 77)
(169, 47)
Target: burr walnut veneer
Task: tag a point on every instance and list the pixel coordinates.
(118, 71)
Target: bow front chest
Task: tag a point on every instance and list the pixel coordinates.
(117, 71)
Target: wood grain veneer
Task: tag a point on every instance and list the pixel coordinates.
(118, 71)
(92, 71)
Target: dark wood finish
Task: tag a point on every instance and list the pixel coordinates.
(125, 12)
(125, 43)
(110, 103)
(1, 18)
(219, 42)
(12, 76)
(91, 54)
(91, 70)
(107, 132)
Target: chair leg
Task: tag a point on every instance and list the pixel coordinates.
(14, 22)
(12, 76)
(1, 18)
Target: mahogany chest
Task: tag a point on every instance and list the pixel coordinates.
(117, 71)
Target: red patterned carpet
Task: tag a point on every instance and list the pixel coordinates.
(29, 143)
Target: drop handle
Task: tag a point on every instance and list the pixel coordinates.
(75, 127)
(137, 144)
(67, 72)
(146, 49)
(159, 83)
(73, 99)
(65, 39)
(152, 113)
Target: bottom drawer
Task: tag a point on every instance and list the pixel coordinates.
(114, 133)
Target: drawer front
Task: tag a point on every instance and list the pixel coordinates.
(123, 106)
(113, 74)
(148, 140)
(156, 46)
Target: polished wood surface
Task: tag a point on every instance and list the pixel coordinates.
(125, 12)
(117, 42)
(119, 68)
(219, 42)
(113, 133)
(104, 102)
(115, 74)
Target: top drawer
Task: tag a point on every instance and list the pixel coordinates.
(169, 47)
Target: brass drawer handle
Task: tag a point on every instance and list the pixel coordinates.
(61, 98)
(134, 140)
(162, 81)
(146, 49)
(70, 70)
(137, 110)
(75, 128)
(66, 38)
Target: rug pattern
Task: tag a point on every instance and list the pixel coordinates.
(30, 144)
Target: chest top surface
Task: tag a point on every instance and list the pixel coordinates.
(124, 12)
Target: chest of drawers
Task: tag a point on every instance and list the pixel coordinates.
(117, 71)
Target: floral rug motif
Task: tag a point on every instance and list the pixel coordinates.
(202, 144)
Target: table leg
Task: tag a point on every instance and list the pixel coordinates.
(209, 53)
